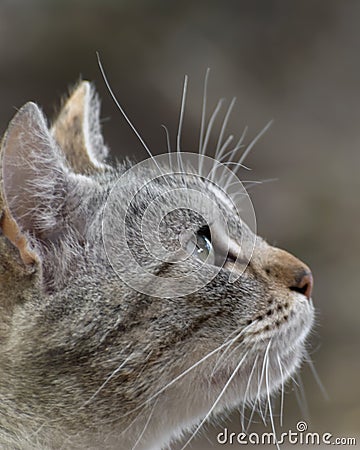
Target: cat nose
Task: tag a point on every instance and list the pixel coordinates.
(290, 271)
(304, 283)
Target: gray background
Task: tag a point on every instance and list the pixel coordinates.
(296, 62)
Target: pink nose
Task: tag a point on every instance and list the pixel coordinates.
(288, 271)
(304, 283)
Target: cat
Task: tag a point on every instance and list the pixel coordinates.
(104, 343)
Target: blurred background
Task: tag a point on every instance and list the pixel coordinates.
(295, 62)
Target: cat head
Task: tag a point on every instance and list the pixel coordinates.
(132, 290)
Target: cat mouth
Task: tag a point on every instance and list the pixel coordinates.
(282, 316)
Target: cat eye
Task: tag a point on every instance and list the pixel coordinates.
(201, 247)
(211, 251)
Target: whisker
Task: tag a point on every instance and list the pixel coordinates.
(181, 119)
(231, 154)
(107, 380)
(237, 164)
(282, 392)
(316, 376)
(225, 359)
(261, 413)
(145, 427)
(304, 403)
(210, 125)
(216, 164)
(247, 150)
(216, 401)
(246, 392)
(269, 402)
(290, 376)
(217, 363)
(254, 141)
(299, 397)
(250, 185)
(168, 145)
(185, 372)
(113, 96)
(237, 147)
(207, 134)
(223, 128)
(203, 113)
(203, 119)
(259, 385)
(251, 182)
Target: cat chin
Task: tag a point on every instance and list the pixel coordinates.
(245, 386)
(239, 391)
(194, 398)
(180, 410)
(263, 370)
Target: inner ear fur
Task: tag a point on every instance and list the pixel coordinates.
(11, 231)
(34, 180)
(77, 130)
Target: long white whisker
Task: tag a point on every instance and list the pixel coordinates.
(234, 163)
(211, 174)
(113, 96)
(224, 147)
(282, 392)
(237, 147)
(203, 113)
(168, 145)
(107, 380)
(259, 386)
(207, 134)
(269, 402)
(231, 155)
(210, 125)
(203, 119)
(184, 373)
(262, 414)
(247, 150)
(223, 128)
(246, 392)
(222, 357)
(145, 427)
(219, 359)
(254, 141)
(264, 180)
(216, 401)
(250, 184)
(299, 397)
(303, 397)
(316, 376)
(181, 119)
(247, 185)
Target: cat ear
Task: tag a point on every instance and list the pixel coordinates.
(34, 183)
(77, 130)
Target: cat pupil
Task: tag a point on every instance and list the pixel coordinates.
(204, 249)
(203, 246)
(205, 231)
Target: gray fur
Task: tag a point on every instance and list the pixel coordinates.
(83, 356)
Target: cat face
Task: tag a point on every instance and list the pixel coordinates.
(132, 290)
